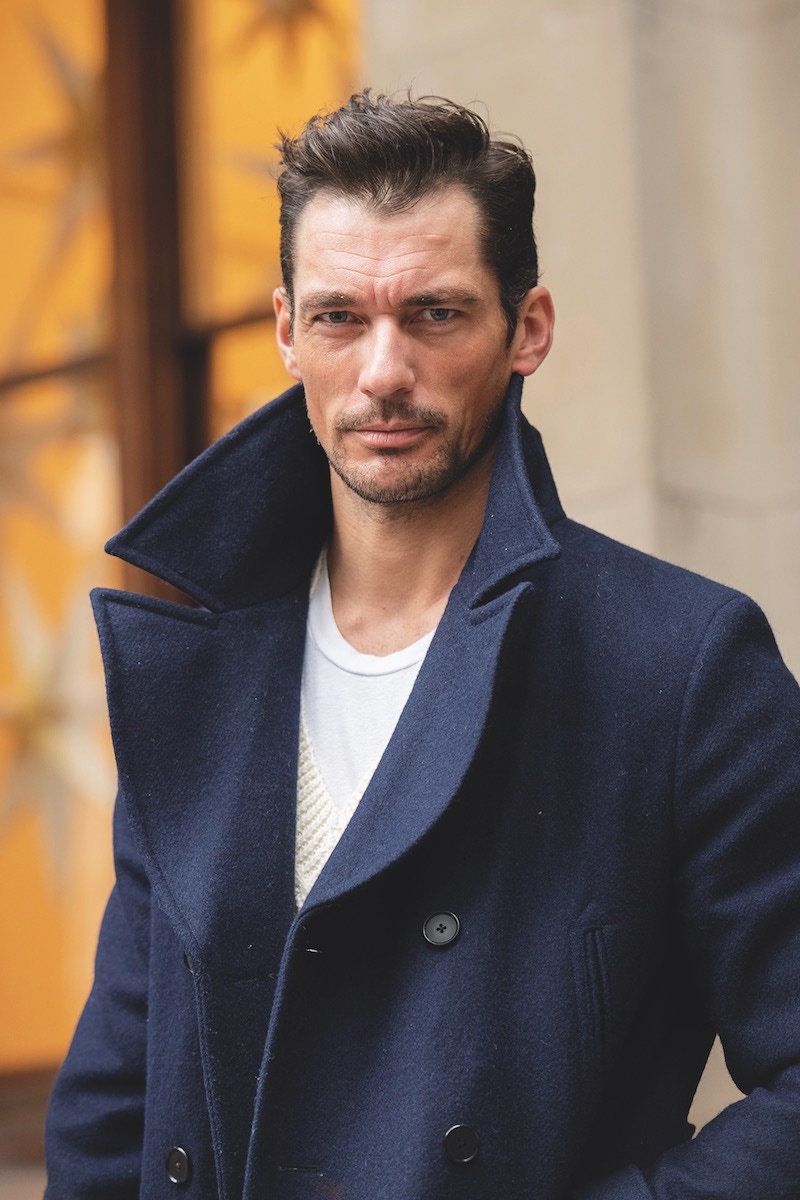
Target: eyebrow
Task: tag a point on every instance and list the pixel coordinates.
(316, 301)
(444, 299)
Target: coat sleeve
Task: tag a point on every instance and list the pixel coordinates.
(737, 837)
(94, 1127)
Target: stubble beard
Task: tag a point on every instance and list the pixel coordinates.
(416, 481)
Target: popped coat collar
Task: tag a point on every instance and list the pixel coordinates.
(245, 521)
(204, 702)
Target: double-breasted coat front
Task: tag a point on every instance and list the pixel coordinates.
(594, 786)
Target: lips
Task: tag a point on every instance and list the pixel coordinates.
(390, 437)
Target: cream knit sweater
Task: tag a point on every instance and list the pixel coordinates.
(320, 822)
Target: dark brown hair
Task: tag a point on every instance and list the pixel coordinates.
(389, 152)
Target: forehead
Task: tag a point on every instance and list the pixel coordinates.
(437, 237)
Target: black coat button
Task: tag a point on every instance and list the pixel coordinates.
(461, 1144)
(441, 929)
(178, 1165)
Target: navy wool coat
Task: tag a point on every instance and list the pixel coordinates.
(596, 773)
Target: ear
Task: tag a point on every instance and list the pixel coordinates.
(534, 335)
(283, 331)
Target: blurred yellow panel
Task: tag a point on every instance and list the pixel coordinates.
(250, 66)
(33, 1024)
(246, 372)
(59, 501)
(53, 223)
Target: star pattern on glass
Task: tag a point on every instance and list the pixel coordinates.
(84, 412)
(78, 149)
(54, 711)
(284, 18)
(19, 445)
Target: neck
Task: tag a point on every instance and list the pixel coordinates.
(392, 567)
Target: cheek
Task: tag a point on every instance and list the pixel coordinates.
(474, 366)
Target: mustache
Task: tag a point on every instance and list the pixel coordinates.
(383, 410)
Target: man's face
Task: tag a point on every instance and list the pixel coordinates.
(400, 341)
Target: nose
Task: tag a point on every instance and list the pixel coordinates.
(387, 366)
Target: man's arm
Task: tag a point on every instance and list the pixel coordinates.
(737, 821)
(94, 1127)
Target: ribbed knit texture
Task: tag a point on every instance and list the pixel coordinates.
(320, 822)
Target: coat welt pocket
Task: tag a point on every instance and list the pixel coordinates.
(590, 966)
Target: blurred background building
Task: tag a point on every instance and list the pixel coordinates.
(138, 231)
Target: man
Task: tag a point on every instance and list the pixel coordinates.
(450, 832)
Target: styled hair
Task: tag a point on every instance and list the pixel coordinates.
(388, 153)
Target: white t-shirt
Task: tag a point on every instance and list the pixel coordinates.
(351, 701)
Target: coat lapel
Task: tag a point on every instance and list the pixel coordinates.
(430, 751)
(204, 713)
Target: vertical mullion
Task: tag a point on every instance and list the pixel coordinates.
(159, 422)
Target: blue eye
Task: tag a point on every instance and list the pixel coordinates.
(439, 315)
